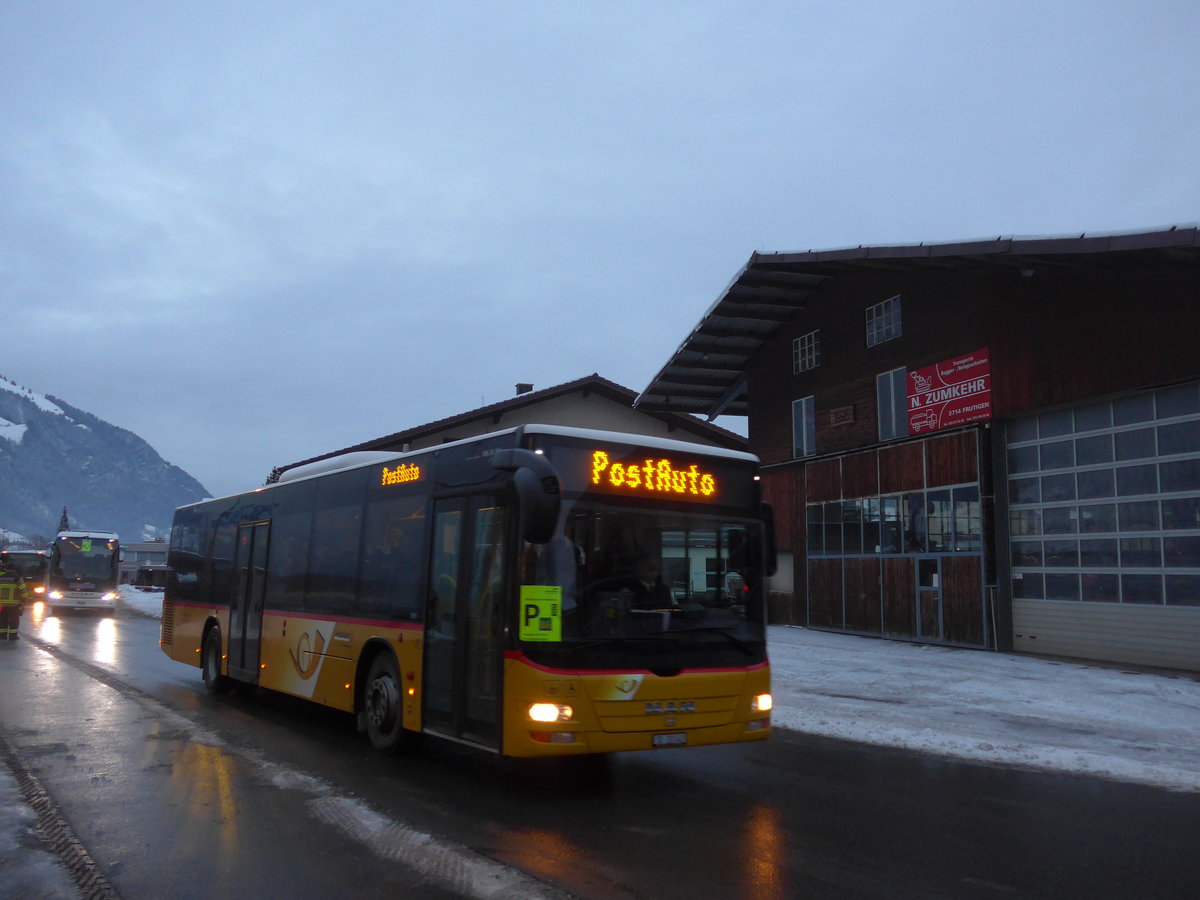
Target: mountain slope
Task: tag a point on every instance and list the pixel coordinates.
(53, 455)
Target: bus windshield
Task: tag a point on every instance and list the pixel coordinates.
(652, 587)
(82, 559)
(31, 564)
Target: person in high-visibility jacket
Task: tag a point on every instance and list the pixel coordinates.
(12, 600)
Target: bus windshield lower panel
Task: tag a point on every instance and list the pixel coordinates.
(652, 589)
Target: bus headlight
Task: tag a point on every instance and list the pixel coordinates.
(56, 595)
(761, 703)
(39, 590)
(109, 597)
(550, 712)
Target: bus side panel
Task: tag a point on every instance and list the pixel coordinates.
(182, 629)
(317, 658)
(615, 711)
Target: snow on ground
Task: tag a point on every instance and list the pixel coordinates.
(998, 708)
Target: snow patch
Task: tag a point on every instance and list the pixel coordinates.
(462, 870)
(37, 399)
(12, 431)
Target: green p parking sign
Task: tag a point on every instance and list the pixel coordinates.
(540, 613)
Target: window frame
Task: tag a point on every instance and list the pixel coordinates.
(894, 405)
(804, 438)
(884, 321)
(806, 352)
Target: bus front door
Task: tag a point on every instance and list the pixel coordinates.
(245, 614)
(463, 646)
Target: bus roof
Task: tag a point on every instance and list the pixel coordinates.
(362, 458)
(642, 440)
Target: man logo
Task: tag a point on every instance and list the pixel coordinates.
(670, 707)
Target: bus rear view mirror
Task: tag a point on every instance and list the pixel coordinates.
(538, 491)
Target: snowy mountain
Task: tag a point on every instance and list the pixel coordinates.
(54, 455)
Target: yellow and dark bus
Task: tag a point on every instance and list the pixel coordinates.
(32, 566)
(539, 591)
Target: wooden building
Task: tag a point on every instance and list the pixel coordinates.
(984, 444)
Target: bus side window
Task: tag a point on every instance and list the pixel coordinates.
(390, 580)
(336, 543)
(291, 527)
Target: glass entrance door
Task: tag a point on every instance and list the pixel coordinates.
(929, 598)
(245, 616)
(464, 628)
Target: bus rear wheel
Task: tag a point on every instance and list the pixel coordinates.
(210, 664)
(381, 709)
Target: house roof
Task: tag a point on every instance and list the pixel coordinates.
(707, 374)
(593, 383)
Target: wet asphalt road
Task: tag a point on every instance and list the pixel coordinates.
(178, 794)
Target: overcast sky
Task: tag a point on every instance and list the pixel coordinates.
(255, 232)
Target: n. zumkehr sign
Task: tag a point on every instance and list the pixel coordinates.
(950, 393)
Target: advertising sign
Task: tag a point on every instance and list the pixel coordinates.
(950, 393)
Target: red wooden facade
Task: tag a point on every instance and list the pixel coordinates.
(1057, 333)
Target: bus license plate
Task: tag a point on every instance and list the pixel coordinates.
(670, 740)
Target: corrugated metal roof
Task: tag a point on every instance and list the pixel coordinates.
(706, 375)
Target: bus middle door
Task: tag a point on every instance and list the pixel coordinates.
(464, 621)
(245, 616)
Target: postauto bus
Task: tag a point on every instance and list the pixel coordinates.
(31, 564)
(538, 591)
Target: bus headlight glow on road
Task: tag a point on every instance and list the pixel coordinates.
(550, 712)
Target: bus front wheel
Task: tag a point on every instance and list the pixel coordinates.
(210, 664)
(381, 711)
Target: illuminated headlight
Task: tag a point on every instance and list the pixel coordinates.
(56, 595)
(761, 703)
(550, 712)
(39, 590)
(109, 597)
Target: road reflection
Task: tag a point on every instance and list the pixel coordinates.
(105, 649)
(544, 853)
(46, 626)
(202, 780)
(765, 854)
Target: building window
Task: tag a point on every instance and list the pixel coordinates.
(806, 352)
(892, 400)
(804, 427)
(946, 521)
(883, 321)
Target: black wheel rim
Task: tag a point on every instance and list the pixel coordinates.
(383, 699)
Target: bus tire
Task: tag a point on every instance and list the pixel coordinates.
(382, 706)
(210, 664)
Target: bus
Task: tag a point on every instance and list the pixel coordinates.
(83, 571)
(32, 566)
(540, 591)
